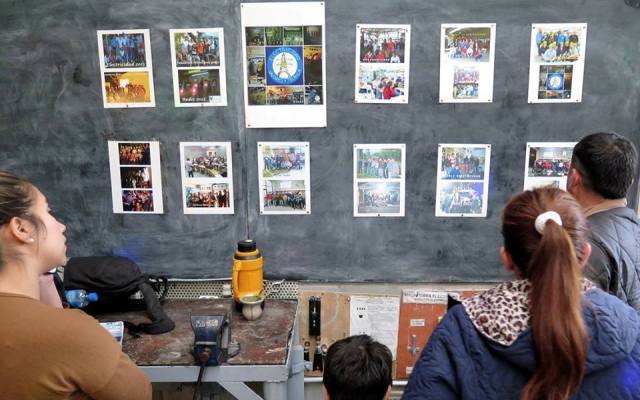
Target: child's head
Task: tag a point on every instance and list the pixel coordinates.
(357, 367)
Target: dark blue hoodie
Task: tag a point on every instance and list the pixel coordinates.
(461, 362)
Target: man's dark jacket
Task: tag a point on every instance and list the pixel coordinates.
(614, 264)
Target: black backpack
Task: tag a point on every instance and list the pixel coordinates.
(115, 279)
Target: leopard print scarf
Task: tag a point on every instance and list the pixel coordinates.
(502, 313)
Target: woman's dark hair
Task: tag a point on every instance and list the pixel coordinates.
(551, 262)
(16, 199)
(357, 367)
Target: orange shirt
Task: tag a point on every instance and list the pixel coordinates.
(49, 353)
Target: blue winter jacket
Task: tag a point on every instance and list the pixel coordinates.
(461, 363)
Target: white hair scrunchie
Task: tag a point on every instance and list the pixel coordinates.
(541, 220)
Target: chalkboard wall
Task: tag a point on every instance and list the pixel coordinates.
(54, 130)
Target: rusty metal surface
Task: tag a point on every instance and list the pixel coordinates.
(262, 342)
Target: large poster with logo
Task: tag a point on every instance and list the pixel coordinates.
(284, 65)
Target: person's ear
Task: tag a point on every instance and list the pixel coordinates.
(574, 180)
(586, 253)
(508, 263)
(21, 230)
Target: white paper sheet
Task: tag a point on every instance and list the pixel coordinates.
(126, 71)
(284, 178)
(547, 164)
(556, 64)
(467, 54)
(379, 180)
(207, 177)
(197, 62)
(284, 61)
(377, 317)
(136, 182)
(463, 180)
(382, 63)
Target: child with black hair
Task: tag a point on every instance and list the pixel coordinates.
(357, 368)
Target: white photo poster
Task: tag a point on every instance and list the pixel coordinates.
(126, 72)
(467, 54)
(547, 164)
(284, 177)
(284, 61)
(463, 180)
(197, 61)
(207, 177)
(382, 63)
(556, 65)
(379, 180)
(136, 184)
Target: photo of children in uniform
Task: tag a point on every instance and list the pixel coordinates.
(134, 153)
(557, 45)
(381, 83)
(555, 81)
(137, 200)
(379, 163)
(313, 65)
(465, 82)
(282, 161)
(255, 66)
(214, 195)
(198, 85)
(461, 198)
(197, 48)
(127, 87)
(205, 161)
(124, 50)
(284, 195)
(472, 44)
(135, 177)
(378, 197)
(382, 45)
(462, 163)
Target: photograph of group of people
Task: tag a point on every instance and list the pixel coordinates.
(125, 68)
(284, 177)
(382, 43)
(466, 62)
(556, 66)
(196, 48)
(547, 164)
(378, 180)
(198, 67)
(123, 50)
(207, 178)
(382, 63)
(462, 180)
(206, 196)
(136, 185)
(463, 163)
(284, 65)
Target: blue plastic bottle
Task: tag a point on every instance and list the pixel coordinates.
(79, 298)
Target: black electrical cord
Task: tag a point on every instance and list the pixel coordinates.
(204, 356)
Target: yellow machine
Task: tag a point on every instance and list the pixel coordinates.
(247, 272)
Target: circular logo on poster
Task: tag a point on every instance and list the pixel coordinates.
(285, 66)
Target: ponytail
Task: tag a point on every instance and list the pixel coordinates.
(556, 317)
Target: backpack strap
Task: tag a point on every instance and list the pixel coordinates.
(160, 321)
